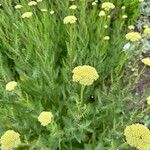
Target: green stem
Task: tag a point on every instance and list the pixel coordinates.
(81, 101)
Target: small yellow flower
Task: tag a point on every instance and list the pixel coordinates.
(123, 7)
(18, 6)
(108, 16)
(102, 13)
(44, 10)
(32, 3)
(141, 0)
(124, 16)
(105, 26)
(147, 31)
(145, 26)
(73, 7)
(27, 15)
(131, 27)
(39, 0)
(11, 85)
(138, 136)
(51, 12)
(148, 100)
(133, 36)
(106, 38)
(93, 3)
(9, 140)
(85, 74)
(70, 20)
(146, 61)
(108, 6)
(45, 118)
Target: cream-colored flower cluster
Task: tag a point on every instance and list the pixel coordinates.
(85, 75)
(9, 140)
(138, 136)
(11, 85)
(133, 36)
(107, 6)
(45, 118)
(70, 20)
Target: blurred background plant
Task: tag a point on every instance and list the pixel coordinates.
(40, 52)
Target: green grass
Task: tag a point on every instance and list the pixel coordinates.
(40, 54)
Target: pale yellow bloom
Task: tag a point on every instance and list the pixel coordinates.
(146, 61)
(85, 74)
(141, 0)
(133, 36)
(108, 16)
(32, 3)
(18, 6)
(39, 0)
(106, 38)
(93, 3)
(147, 31)
(11, 85)
(45, 118)
(131, 27)
(73, 7)
(148, 100)
(123, 7)
(105, 26)
(51, 12)
(138, 136)
(124, 16)
(9, 140)
(27, 15)
(44, 10)
(102, 13)
(108, 6)
(70, 20)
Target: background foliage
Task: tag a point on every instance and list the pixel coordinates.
(40, 53)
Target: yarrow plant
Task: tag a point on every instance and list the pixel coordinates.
(45, 118)
(85, 75)
(27, 15)
(107, 6)
(133, 36)
(9, 140)
(11, 85)
(138, 136)
(70, 20)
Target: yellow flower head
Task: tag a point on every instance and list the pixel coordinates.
(73, 7)
(102, 13)
(18, 6)
(85, 74)
(133, 36)
(11, 85)
(106, 38)
(147, 31)
(27, 15)
(44, 10)
(148, 100)
(9, 140)
(138, 136)
(94, 3)
(51, 12)
(70, 20)
(123, 7)
(32, 3)
(108, 6)
(131, 27)
(45, 118)
(146, 61)
(124, 16)
(39, 0)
